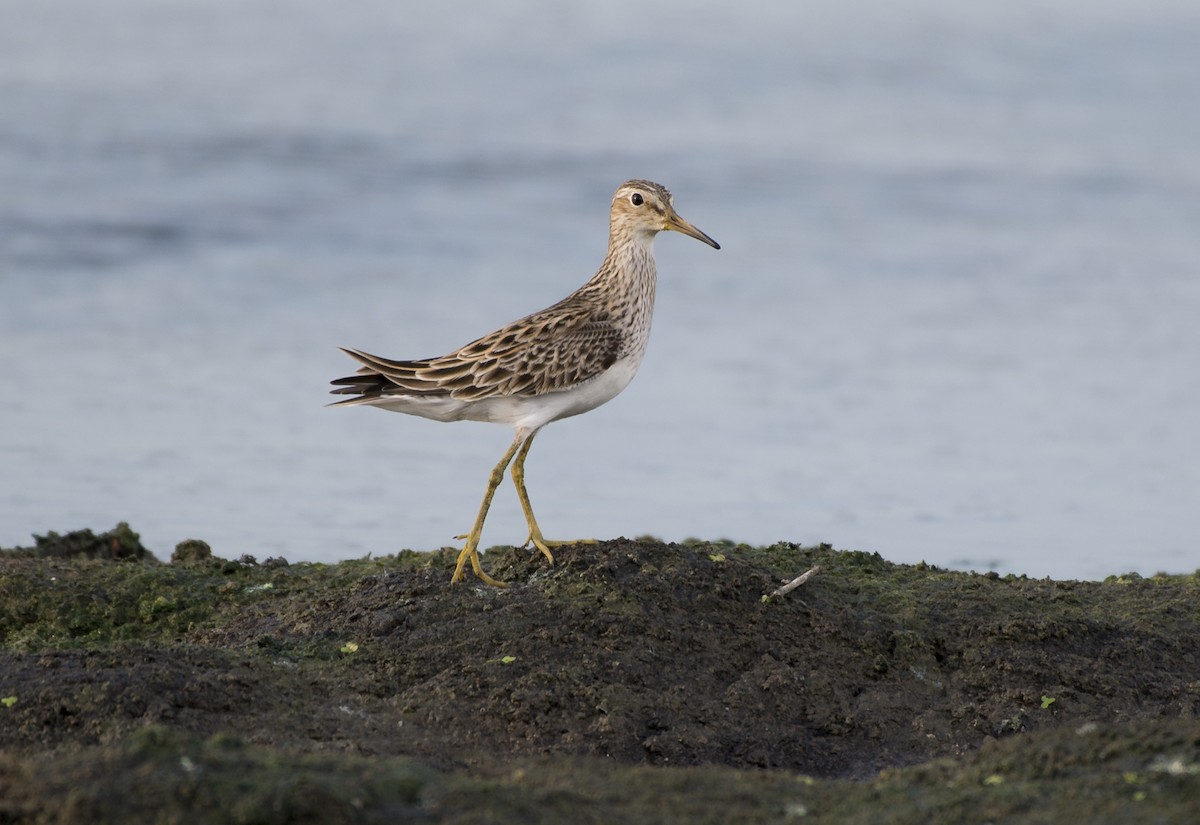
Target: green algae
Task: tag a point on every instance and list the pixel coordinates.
(160, 775)
(119, 543)
(48, 604)
(1113, 774)
(630, 682)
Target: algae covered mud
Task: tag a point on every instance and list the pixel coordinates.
(633, 681)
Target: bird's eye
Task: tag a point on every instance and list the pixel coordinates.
(636, 199)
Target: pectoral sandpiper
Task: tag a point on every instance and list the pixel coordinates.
(562, 361)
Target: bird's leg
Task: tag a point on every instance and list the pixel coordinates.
(471, 549)
(535, 533)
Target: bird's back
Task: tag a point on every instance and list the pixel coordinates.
(544, 355)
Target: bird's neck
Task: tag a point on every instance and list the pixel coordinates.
(629, 264)
(627, 282)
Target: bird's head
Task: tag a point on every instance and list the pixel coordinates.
(643, 208)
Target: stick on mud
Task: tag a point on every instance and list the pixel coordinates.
(796, 582)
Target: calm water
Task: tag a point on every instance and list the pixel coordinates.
(956, 316)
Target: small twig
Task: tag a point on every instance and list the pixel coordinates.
(796, 582)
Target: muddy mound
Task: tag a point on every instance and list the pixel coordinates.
(627, 653)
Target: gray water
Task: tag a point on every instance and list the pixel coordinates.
(956, 315)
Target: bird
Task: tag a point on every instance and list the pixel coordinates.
(561, 361)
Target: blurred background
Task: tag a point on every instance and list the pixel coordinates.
(955, 318)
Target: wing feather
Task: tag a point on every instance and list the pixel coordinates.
(551, 350)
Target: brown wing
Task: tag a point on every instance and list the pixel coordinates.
(550, 350)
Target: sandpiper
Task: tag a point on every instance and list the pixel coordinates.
(562, 361)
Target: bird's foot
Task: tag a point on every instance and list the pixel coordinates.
(544, 544)
(470, 553)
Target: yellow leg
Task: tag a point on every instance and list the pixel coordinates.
(471, 549)
(535, 533)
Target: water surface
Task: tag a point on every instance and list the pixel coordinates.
(953, 318)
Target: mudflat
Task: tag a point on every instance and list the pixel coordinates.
(631, 681)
